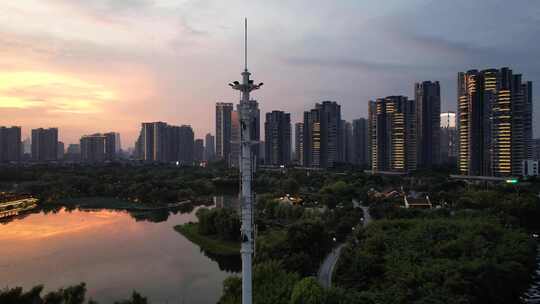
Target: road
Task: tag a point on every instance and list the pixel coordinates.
(327, 268)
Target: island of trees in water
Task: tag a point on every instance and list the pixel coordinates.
(474, 247)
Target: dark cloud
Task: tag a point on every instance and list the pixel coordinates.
(352, 63)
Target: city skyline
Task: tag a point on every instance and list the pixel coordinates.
(163, 60)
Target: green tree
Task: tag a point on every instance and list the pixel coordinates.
(307, 291)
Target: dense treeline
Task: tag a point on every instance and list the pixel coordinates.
(439, 260)
(69, 295)
(471, 250)
(144, 184)
(273, 284)
(516, 206)
(223, 223)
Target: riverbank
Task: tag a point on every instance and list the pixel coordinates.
(111, 203)
(208, 243)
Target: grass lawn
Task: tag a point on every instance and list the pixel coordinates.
(208, 243)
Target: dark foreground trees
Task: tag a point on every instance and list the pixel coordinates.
(70, 295)
(446, 260)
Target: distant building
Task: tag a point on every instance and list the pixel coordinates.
(27, 146)
(198, 150)
(495, 122)
(112, 146)
(530, 168)
(160, 142)
(536, 149)
(73, 153)
(393, 134)
(449, 139)
(299, 143)
(255, 133)
(346, 142)
(10, 144)
(223, 130)
(349, 143)
(255, 129)
(209, 148)
(262, 152)
(152, 141)
(180, 143)
(74, 149)
(93, 148)
(45, 144)
(428, 114)
(360, 142)
(60, 151)
(234, 156)
(322, 135)
(277, 130)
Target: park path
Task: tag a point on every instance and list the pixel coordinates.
(324, 276)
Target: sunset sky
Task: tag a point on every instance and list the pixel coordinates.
(106, 65)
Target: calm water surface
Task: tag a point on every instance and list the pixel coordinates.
(110, 251)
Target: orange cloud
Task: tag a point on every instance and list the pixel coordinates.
(53, 92)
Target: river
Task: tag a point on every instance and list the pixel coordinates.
(114, 252)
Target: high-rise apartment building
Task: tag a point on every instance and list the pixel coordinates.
(323, 135)
(198, 150)
(209, 147)
(60, 151)
(73, 152)
(179, 144)
(151, 142)
(255, 133)
(223, 130)
(393, 134)
(45, 144)
(93, 148)
(234, 156)
(427, 96)
(299, 142)
(494, 122)
(360, 142)
(536, 149)
(277, 130)
(10, 144)
(346, 142)
(112, 146)
(27, 146)
(449, 139)
(160, 142)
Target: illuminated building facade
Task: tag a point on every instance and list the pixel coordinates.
(299, 142)
(495, 122)
(323, 135)
(392, 130)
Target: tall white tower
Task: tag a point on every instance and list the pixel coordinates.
(247, 118)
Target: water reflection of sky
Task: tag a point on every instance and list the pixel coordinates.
(112, 253)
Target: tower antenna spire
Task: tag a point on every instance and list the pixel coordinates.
(245, 44)
(247, 168)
